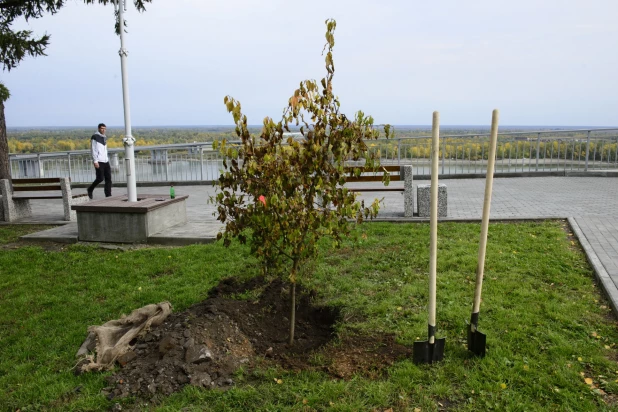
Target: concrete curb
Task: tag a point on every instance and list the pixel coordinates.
(609, 287)
(179, 241)
(46, 223)
(464, 219)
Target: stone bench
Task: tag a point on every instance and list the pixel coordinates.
(16, 199)
(116, 220)
(423, 200)
(397, 173)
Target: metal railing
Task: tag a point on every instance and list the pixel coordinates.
(516, 152)
(568, 150)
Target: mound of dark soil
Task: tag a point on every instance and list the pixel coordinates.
(238, 325)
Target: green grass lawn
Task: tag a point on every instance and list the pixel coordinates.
(549, 329)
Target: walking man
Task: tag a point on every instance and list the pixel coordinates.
(98, 148)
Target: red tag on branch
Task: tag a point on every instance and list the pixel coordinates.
(262, 199)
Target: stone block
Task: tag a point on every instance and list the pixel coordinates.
(68, 200)
(99, 222)
(423, 200)
(13, 209)
(406, 173)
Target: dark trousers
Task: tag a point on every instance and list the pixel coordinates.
(104, 172)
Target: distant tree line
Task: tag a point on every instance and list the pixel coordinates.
(519, 146)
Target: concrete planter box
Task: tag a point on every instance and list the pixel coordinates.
(114, 219)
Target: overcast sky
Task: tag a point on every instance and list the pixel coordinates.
(541, 62)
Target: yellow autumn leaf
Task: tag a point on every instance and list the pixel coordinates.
(579, 359)
(279, 381)
(503, 385)
(588, 381)
(417, 409)
(399, 308)
(526, 367)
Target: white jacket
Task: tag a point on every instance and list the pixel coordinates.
(98, 148)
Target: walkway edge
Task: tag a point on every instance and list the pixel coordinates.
(599, 270)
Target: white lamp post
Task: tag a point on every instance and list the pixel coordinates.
(128, 140)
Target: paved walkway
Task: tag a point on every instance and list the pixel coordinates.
(590, 204)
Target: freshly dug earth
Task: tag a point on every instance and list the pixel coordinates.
(245, 325)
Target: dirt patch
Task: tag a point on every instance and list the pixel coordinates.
(44, 245)
(246, 325)
(571, 237)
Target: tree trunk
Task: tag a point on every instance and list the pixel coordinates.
(292, 312)
(293, 301)
(5, 171)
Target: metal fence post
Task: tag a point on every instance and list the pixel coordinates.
(587, 151)
(399, 152)
(40, 165)
(443, 152)
(201, 163)
(69, 163)
(538, 146)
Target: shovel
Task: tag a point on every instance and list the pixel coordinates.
(432, 350)
(477, 340)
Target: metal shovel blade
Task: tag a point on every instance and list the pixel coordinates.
(425, 352)
(476, 342)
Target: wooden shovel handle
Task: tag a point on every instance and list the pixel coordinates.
(489, 181)
(433, 219)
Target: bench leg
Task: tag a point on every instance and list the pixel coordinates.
(408, 191)
(72, 213)
(14, 209)
(68, 200)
